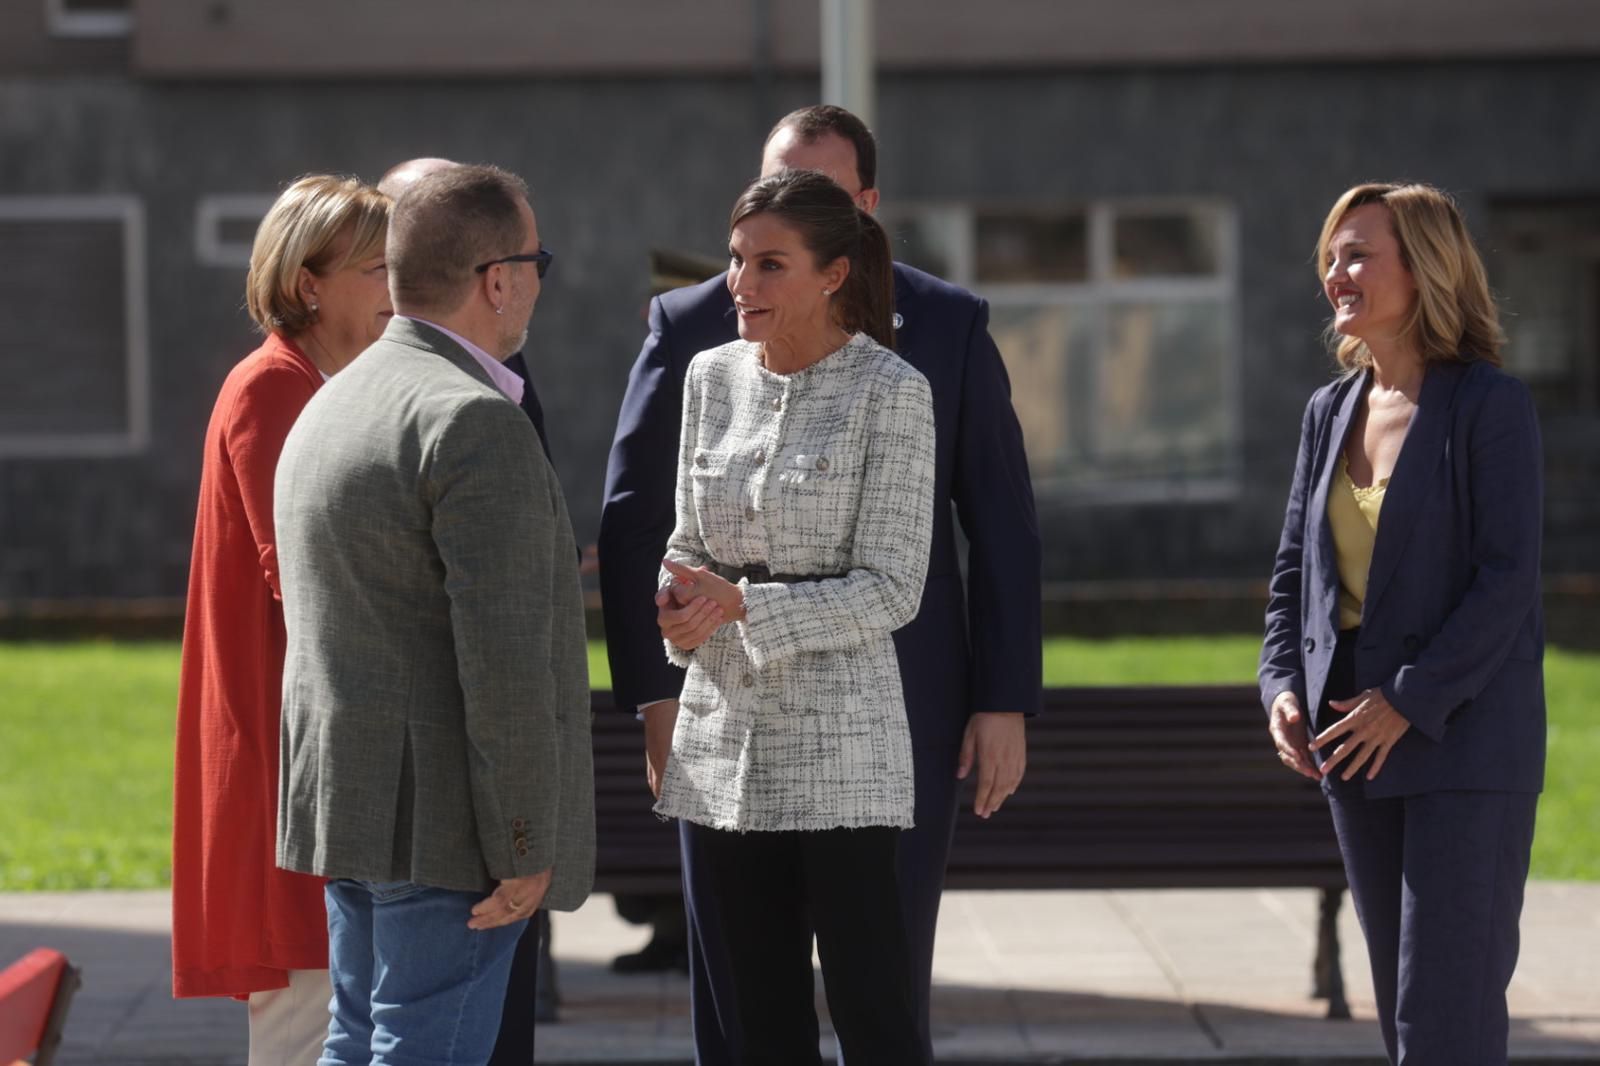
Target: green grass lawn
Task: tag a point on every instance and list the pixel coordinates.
(86, 749)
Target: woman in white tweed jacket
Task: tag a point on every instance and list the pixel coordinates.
(805, 510)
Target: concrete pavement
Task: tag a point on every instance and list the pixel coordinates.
(1020, 977)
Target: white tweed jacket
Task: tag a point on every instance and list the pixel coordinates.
(794, 718)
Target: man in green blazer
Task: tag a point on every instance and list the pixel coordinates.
(435, 757)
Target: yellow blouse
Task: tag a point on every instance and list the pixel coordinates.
(1353, 517)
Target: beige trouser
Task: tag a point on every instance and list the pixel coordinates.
(288, 1025)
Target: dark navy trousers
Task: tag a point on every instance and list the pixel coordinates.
(777, 891)
(1437, 879)
(921, 856)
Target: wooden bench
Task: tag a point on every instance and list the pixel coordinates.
(34, 995)
(1127, 787)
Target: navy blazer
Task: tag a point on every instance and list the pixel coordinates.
(530, 401)
(1452, 628)
(980, 467)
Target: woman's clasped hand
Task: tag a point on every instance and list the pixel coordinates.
(695, 605)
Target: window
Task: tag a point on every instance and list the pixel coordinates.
(1117, 324)
(225, 228)
(1026, 247)
(73, 355)
(89, 18)
(1544, 264)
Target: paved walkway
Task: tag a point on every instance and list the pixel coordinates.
(1075, 977)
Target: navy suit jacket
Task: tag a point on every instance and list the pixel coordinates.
(530, 401)
(980, 468)
(1452, 627)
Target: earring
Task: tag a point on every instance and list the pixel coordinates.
(499, 310)
(314, 308)
(827, 292)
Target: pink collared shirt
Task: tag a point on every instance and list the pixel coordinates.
(504, 379)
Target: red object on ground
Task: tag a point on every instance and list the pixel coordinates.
(239, 923)
(28, 994)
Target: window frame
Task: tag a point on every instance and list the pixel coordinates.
(63, 22)
(129, 211)
(209, 214)
(1103, 290)
(1505, 217)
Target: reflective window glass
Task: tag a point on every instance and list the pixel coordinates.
(1175, 245)
(1031, 247)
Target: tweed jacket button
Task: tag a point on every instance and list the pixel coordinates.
(777, 403)
(822, 464)
(518, 823)
(749, 514)
(699, 460)
(747, 680)
(761, 457)
(1311, 644)
(522, 853)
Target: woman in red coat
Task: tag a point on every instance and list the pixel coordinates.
(241, 927)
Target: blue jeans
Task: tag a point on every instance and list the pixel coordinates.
(412, 985)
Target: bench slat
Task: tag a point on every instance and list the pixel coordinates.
(1133, 787)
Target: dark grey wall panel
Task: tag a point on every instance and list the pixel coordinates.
(493, 38)
(621, 166)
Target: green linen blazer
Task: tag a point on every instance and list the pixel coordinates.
(435, 692)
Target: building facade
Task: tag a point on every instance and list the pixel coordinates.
(1135, 190)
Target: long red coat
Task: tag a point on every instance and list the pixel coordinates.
(238, 922)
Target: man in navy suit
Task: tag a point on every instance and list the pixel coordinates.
(970, 662)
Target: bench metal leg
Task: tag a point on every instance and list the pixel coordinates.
(1327, 974)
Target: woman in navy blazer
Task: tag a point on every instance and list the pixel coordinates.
(1415, 643)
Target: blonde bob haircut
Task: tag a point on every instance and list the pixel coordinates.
(322, 222)
(1454, 318)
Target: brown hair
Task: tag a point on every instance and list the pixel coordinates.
(831, 225)
(322, 222)
(1454, 317)
(819, 120)
(445, 224)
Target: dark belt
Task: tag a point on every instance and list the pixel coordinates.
(758, 574)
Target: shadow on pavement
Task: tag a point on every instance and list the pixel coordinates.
(125, 1016)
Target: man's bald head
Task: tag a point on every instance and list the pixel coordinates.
(402, 175)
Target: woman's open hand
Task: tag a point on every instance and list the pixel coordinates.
(1370, 728)
(1291, 737)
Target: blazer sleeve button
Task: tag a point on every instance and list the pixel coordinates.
(1311, 644)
